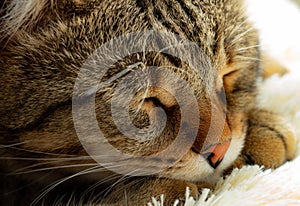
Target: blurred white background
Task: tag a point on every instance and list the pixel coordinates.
(279, 24)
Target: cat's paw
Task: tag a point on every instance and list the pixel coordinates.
(269, 142)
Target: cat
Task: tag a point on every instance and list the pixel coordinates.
(45, 47)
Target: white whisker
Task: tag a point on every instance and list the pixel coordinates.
(58, 182)
(248, 58)
(53, 168)
(123, 178)
(47, 159)
(237, 28)
(16, 144)
(40, 152)
(239, 37)
(249, 47)
(107, 179)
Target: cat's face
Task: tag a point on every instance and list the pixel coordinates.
(42, 65)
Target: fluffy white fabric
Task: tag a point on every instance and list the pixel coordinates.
(250, 185)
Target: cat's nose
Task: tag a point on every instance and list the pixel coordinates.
(216, 153)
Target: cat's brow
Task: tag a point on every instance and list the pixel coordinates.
(97, 87)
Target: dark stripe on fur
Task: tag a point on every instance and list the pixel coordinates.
(278, 134)
(47, 112)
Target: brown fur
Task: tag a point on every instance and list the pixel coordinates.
(45, 43)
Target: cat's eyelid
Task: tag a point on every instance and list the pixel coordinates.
(95, 88)
(165, 99)
(227, 70)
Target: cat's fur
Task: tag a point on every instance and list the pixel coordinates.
(43, 46)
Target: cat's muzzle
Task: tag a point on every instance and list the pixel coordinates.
(215, 153)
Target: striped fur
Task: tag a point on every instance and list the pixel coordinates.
(44, 44)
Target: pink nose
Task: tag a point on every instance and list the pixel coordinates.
(216, 153)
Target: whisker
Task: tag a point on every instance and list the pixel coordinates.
(239, 37)
(237, 28)
(249, 58)
(95, 169)
(118, 189)
(31, 166)
(107, 179)
(249, 47)
(50, 161)
(58, 182)
(68, 203)
(16, 144)
(19, 171)
(46, 159)
(130, 184)
(125, 196)
(53, 168)
(40, 152)
(123, 178)
(71, 158)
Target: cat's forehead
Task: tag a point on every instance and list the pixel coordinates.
(203, 22)
(212, 27)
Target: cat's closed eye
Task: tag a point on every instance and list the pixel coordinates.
(157, 97)
(229, 76)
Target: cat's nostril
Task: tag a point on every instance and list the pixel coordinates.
(215, 154)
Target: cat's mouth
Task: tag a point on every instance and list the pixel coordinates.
(215, 153)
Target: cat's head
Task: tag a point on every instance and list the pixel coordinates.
(168, 83)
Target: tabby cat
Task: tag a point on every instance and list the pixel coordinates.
(45, 44)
